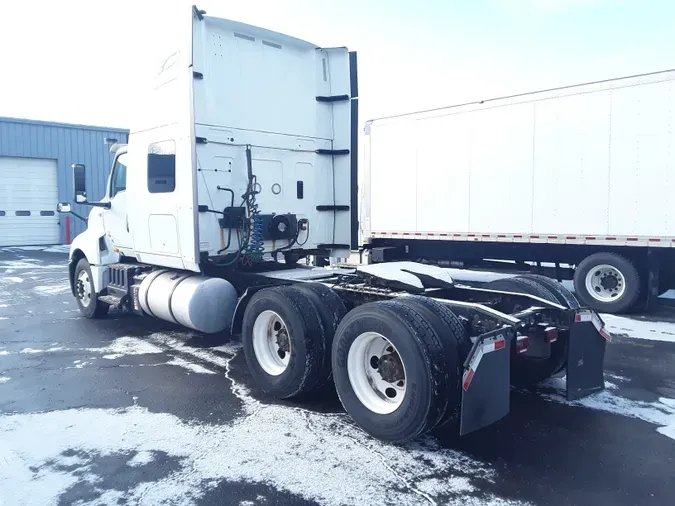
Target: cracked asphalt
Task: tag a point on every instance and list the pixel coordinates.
(129, 410)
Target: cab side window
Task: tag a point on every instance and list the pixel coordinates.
(162, 167)
(119, 178)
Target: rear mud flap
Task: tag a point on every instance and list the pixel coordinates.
(485, 384)
(585, 355)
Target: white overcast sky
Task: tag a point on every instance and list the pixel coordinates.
(83, 62)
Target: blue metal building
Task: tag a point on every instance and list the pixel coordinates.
(35, 174)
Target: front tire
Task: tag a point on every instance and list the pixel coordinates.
(390, 370)
(85, 294)
(608, 283)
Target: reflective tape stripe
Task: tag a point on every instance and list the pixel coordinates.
(583, 316)
(664, 242)
(592, 316)
(468, 376)
(473, 365)
(495, 343)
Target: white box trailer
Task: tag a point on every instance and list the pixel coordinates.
(582, 175)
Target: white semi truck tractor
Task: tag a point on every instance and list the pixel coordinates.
(246, 164)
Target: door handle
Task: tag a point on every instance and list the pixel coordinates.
(126, 217)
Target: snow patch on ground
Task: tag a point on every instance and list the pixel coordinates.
(10, 279)
(655, 331)
(14, 249)
(28, 263)
(37, 351)
(123, 346)
(623, 379)
(80, 364)
(192, 367)
(661, 412)
(120, 347)
(434, 486)
(61, 248)
(262, 446)
(4, 318)
(57, 248)
(668, 431)
(142, 458)
(53, 289)
(4, 379)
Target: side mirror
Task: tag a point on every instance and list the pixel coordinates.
(63, 207)
(80, 183)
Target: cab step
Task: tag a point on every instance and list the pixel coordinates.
(112, 300)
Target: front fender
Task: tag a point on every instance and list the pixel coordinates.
(92, 244)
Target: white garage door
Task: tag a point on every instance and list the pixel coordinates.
(28, 198)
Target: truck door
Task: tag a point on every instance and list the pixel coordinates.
(115, 219)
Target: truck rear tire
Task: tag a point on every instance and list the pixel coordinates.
(562, 294)
(85, 294)
(284, 342)
(456, 343)
(390, 370)
(608, 283)
(527, 371)
(331, 311)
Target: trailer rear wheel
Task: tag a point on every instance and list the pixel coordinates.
(390, 370)
(607, 282)
(456, 343)
(527, 371)
(85, 294)
(284, 342)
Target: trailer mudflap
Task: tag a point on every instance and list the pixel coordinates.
(486, 381)
(586, 354)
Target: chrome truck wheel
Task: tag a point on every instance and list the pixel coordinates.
(271, 343)
(376, 373)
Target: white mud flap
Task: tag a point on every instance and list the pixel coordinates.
(586, 354)
(486, 381)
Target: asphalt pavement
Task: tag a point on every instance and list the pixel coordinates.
(130, 410)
